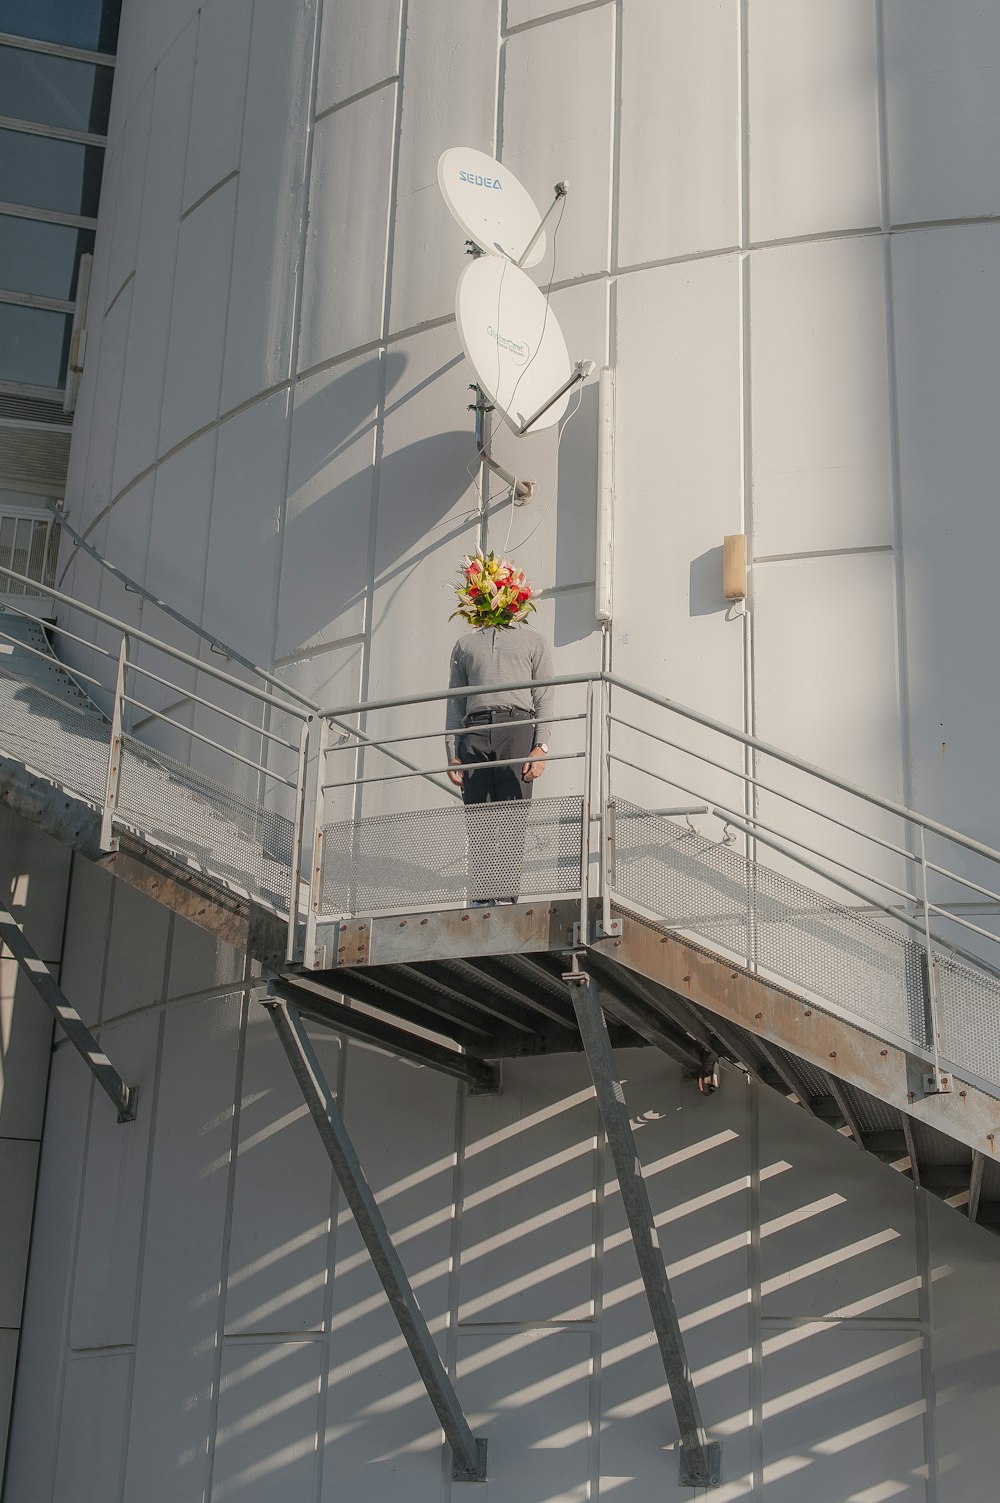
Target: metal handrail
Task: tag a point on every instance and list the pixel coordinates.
(755, 743)
(393, 777)
(933, 826)
(165, 647)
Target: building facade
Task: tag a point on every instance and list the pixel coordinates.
(781, 232)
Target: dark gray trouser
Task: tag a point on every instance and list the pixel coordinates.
(496, 835)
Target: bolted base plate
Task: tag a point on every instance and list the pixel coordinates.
(458, 1472)
(713, 1457)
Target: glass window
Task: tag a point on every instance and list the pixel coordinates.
(75, 23)
(34, 345)
(54, 90)
(41, 258)
(46, 174)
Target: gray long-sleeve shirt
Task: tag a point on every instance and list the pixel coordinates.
(500, 655)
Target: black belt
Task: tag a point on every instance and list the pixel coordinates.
(502, 712)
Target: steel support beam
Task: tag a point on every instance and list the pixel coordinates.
(121, 1096)
(468, 1450)
(700, 1461)
(325, 1009)
(975, 1185)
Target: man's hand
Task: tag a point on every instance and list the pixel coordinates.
(456, 777)
(534, 767)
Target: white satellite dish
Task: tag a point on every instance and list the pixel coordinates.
(512, 340)
(492, 207)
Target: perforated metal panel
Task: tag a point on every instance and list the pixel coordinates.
(228, 837)
(765, 918)
(452, 855)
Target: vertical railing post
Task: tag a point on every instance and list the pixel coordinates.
(297, 834)
(315, 893)
(108, 840)
(607, 859)
(936, 1082)
(585, 808)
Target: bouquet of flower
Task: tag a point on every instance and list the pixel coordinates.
(491, 592)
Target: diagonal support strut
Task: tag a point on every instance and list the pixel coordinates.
(468, 1450)
(700, 1460)
(121, 1095)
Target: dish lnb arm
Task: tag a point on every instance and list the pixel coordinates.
(558, 192)
(581, 370)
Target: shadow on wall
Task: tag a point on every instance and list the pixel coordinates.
(540, 1235)
(414, 488)
(705, 585)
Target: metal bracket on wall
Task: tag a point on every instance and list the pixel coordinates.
(121, 1095)
(468, 1450)
(700, 1467)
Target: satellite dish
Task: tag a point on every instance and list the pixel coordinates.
(512, 340)
(492, 207)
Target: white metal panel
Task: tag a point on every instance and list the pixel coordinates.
(149, 327)
(178, 536)
(198, 318)
(358, 48)
(86, 938)
(680, 129)
(278, 1261)
(557, 124)
(826, 690)
(92, 1433)
(137, 951)
(449, 92)
(948, 331)
(33, 873)
(408, 1158)
(25, 1041)
(146, 35)
(695, 1158)
(241, 577)
(528, 1392)
(843, 1413)
(522, 12)
(114, 1190)
(943, 96)
(837, 1230)
(820, 403)
(177, 1335)
(529, 1191)
(216, 125)
(558, 524)
(346, 238)
(126, 541)
(813, 117)
(259, 332)
(965, 1300)
(324, 558)
(113, 337)
(18, 1164)
(128, 199)
(826, 664)
(8, 1360)
(678, 493)
(31, 1457)
(266, 1439)
(426, 521)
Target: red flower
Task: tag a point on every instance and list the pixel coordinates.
(474, 591)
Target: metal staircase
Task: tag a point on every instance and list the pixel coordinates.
(836, 945)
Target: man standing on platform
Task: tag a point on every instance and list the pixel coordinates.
(497, 740)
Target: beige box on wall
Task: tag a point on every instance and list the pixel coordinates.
(734, 566)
